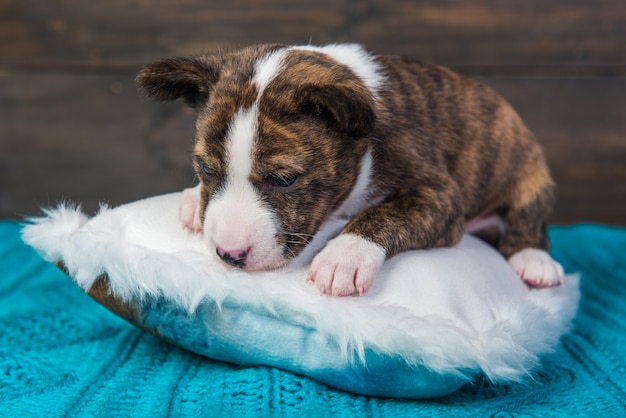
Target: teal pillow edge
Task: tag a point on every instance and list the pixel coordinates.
(247, 338)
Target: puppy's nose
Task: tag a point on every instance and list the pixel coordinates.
(235, 258)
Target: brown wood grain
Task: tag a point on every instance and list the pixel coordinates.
(123, 34)
(88, 139)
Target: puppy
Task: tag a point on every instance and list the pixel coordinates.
(296, 144)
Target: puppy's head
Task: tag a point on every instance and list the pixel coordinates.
(281, 134)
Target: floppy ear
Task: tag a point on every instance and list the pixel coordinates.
(188, 78)
(348, 108)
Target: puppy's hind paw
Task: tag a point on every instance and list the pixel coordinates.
(537, 268)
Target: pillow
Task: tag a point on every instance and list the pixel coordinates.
(433, 320)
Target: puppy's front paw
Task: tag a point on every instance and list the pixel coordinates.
(189, 210)
(347, 265)
(537, 268)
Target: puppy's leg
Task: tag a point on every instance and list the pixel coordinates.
(349, 263)
(189, 210)
(525, 242)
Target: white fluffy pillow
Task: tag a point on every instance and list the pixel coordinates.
(432, 320)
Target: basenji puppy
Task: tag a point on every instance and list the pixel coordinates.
(353, 157)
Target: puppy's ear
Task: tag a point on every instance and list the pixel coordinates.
(347, 107)
(188, 78)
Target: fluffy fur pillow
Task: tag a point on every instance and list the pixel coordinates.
(432, 321)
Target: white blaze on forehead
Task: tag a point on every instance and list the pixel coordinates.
(353, 56)
(267, 68)
(240, 141)
(236, 218)
(356, 58)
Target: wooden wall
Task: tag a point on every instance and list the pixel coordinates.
(72, 125)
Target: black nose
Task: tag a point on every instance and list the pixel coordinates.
(232, 258)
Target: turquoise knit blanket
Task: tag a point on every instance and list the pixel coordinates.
(62, 354)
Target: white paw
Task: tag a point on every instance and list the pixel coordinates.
(189, 210)
(537, 268)
(347, 265)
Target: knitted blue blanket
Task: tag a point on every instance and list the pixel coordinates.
(62, 354)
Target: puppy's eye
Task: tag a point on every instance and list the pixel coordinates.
(282, 180)
(205, 171)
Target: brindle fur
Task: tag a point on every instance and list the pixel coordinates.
(446, 149)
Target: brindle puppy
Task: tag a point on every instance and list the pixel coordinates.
(292, 141)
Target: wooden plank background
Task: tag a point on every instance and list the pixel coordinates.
(72, 125)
